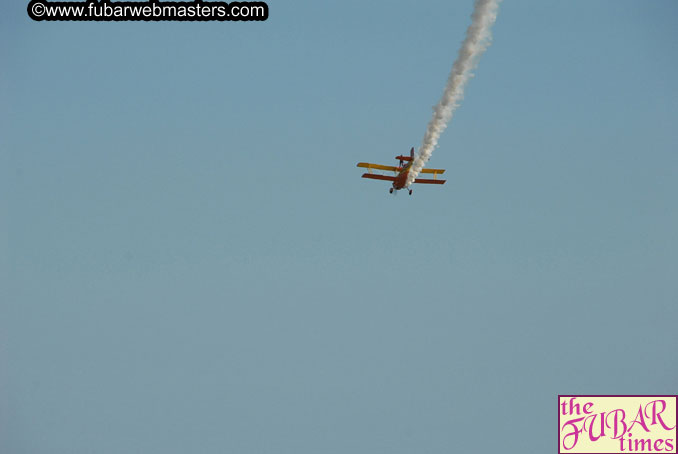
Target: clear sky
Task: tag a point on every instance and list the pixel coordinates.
(190, 261)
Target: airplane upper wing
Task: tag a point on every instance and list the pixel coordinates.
(432, 171)
(370, 166)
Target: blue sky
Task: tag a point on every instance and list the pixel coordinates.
(192, 263)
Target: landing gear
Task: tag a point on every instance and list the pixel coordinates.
(390, 191)
(410, 191)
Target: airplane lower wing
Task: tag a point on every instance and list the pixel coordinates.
(428, 181)
(374, 176)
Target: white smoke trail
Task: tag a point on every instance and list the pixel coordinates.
(478, 38)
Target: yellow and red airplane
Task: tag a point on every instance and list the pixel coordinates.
(401, 173)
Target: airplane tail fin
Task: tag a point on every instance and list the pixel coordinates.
(407, 158)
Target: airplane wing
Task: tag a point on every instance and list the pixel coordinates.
(371, 166)
(434, 171)
(374, 176)
(428, 181)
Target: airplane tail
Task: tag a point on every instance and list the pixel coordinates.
(407, 158)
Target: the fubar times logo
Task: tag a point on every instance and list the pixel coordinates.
(617, 424)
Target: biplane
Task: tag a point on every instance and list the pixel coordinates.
(401, 172)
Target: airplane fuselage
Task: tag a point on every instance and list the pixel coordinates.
(401, 178)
